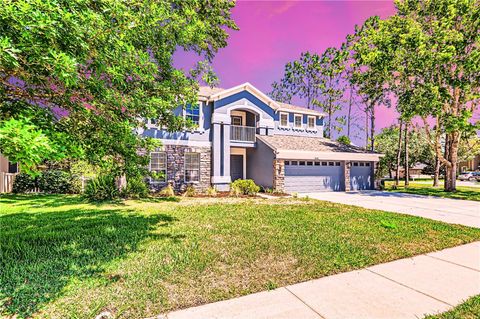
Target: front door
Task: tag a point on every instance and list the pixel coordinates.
(236, 167)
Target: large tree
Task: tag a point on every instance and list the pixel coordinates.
(96, 67)
(429, 54)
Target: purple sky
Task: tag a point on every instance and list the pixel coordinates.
(273, 33)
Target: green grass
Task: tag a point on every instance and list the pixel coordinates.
(470, 309)
(63, 258)
(426, 188)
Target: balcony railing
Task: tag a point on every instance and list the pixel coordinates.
(242, 133)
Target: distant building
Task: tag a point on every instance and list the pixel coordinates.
(470, 165)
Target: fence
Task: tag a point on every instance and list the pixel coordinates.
(6, 182)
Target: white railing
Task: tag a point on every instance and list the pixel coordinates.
(242, 133)
(6, 182)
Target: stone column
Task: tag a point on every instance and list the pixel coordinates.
(376, 179)
(346, 173)
(279, 175)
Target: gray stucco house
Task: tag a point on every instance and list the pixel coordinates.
(244, 134)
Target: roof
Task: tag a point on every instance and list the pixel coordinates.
(210, 93)
(302, 147)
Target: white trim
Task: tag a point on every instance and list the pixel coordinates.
(306, 111)
(294, 122)
(221, 118)
(221, 179)
(243, 152)
(332, 156)
(186, 143)
(249, 88)
(280, 120)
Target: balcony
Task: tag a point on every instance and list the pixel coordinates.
(240, 133)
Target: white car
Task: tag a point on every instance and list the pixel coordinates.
(469, 176)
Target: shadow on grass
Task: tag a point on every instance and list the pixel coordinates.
(40, 253)
(53, 200)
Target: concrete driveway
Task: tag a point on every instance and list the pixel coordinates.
(453, 211)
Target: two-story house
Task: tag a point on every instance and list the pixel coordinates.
(243, 134)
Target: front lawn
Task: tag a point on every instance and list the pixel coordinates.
(63, 258)
(426, 188)
(470, 309)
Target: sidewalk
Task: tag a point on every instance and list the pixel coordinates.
(406, 288)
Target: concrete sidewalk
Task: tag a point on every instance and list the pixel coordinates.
(406, 288)
(448, 210)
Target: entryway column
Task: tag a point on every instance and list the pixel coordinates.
(346, 173)
(221, 152)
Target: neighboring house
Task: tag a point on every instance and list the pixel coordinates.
(470, 165)
(7, 174)
(244, 134)
(413, 172)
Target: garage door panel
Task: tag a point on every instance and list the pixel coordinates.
(361, 177)
(313, 178)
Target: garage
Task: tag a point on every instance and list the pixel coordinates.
(303, 176)
(361, 176)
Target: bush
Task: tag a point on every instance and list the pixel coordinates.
(244, 187)
(58, 182)
(190, 191)
(24, 183)
(102, 187)
(211, 191)
(167, 191)
(136, 188)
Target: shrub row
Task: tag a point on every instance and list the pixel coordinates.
(50, 181)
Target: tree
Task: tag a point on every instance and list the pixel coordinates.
(386, 142)
(332, 65)
(95, 68)
(301, 78)
(429, 53)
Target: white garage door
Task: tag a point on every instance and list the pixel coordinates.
(313, 176)
(361, 176)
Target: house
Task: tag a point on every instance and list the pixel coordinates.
(470, 165)
(243, 134)
(7, 174)
(414, 172)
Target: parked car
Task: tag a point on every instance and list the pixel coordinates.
(469, 176)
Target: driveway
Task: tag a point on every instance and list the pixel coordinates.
(453, 211)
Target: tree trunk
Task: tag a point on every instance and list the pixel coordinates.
(451, 170)
(399, 153)
(437, 172)
(349, 114)
(372, 125)
(406, 169)
(366, 129)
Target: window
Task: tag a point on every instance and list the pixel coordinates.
(355, 164)
(311, 122)
(284, 119)
(324, 163)
(309, 163)
(287, 162)
(158, 165)
(237, 120)
(367, 164)
(330, 164)
(317, 163)
(192, 113)
(361, 164)
(192, 167)
(337, 163)
(12, 167)
(294, 163)
(298, 120)
(301, 163)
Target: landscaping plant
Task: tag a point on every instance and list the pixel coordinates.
(244, 187)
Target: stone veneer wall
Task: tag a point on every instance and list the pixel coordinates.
(377, 180)
(279, 175)
(346, 173)
(176, 168)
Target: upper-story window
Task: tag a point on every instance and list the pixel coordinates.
(284, 119)
(311, 122)
(236, 120)
(192, 113)
(298, 120)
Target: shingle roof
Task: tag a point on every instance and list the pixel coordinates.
(206, 91)
(312, 144)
